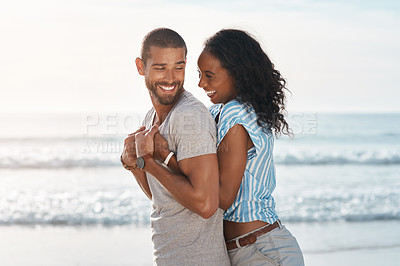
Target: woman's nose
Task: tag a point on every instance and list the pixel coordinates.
(201, 82)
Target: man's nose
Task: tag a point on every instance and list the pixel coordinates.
(169, 75)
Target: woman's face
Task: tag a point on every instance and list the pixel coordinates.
(215, 80)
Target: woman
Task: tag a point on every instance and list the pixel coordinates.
(249, 95)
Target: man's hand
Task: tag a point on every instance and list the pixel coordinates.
(144, 141)
(129, 153)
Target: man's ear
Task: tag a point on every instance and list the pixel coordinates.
(140, 66)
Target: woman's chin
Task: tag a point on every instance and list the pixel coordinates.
(215, 101)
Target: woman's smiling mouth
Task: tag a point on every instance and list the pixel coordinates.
(210, 93)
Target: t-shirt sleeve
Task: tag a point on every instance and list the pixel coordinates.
(235, 113)
(194, 132)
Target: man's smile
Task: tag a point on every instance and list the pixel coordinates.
(167, 88)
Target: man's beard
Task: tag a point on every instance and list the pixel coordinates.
(165, 99)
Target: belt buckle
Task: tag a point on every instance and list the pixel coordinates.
(238, 243)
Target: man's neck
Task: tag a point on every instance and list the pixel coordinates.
(162, 111)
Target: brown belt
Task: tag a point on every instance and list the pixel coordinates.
(251, 238)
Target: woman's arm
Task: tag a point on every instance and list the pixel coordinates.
(161, 151)
(232, 159)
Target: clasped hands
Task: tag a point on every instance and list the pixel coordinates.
(144, 141)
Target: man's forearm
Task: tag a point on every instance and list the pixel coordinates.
(141, 179)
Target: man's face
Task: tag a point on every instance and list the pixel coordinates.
(164, 73)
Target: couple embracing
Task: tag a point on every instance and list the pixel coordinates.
(210, 173)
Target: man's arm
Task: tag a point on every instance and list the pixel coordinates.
(196, 188)
(129, 158)
(141, 179)
(232, 159)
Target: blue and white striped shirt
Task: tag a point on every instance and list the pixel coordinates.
(254, 200)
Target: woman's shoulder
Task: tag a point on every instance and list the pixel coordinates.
(238, 111)
(234, 104)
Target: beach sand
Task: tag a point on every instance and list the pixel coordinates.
(349, 243)
(75, 246)
(323, 244)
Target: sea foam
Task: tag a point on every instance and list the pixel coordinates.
(70, 158)
(126, 207)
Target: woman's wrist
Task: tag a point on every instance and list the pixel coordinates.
(169, 156)
(161, 154)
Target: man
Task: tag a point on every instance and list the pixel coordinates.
(186, 221)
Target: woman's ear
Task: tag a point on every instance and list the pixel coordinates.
(140, 66)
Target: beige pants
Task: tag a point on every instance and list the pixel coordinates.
(277, 247)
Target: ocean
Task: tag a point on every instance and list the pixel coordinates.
(62, 169)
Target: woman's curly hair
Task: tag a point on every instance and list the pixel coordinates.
(258, 83)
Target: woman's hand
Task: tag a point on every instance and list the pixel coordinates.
(161, 148)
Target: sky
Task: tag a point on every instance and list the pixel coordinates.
(78, 56)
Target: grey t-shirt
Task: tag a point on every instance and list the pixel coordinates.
(180, 236)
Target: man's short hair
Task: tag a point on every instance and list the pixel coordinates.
(163, 38)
